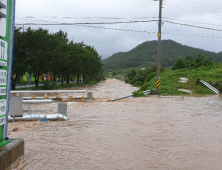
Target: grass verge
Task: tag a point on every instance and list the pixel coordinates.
(170, 80)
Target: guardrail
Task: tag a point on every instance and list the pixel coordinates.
(50, 91)
(209, 86)
(16, 111)
(30, 102)
(38, 117)
(131, 95)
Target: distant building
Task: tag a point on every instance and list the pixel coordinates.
(142, 69)
(46, 77)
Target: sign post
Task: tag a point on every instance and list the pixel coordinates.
(7, 18)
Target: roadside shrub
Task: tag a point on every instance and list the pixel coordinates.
(48, 85)
(138, 93)
(138, 83)
(145, 87)
(198, 80)
(179, 64)
(150, 76)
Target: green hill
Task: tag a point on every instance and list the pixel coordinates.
(145, 54)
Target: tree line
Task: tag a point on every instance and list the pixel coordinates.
(37, 52)
(191, 63)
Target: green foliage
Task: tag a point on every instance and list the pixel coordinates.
(114, 73)
(180, 64)
(131, 77)
(189, 62)
(20, 59)
(138, 83)
(37, 52)
(170, 80)
(138, 93)
(217, 85)
(48, 85)
(131, 74)
(59, 86)
(200, 61)
(150, 76)
(145, 54)
(141, 76)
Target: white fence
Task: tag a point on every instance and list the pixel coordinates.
(16, 110)
(69, 94)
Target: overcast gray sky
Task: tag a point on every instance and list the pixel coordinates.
(202, 13)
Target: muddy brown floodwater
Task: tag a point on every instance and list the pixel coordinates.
(150, 133)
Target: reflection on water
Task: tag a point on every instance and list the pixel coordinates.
(139, 133)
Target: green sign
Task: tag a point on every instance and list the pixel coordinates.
(6, 43)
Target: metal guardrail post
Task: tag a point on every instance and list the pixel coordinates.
(29, 109)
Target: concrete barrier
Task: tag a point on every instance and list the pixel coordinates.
(62, 108)
(89, 97)
(10, 152)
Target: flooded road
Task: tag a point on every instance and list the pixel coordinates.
(151, 133)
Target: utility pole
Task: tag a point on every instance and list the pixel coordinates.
(159, 48)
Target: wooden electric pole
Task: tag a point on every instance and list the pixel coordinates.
(159, 48)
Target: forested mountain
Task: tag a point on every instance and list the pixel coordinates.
(145, 54)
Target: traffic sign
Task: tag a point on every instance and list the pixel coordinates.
(7, 13)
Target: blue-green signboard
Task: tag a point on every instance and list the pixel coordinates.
(7, 17)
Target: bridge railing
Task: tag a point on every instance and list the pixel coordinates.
(17, 111)
(70, 94)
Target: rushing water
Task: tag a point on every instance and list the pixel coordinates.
(156, 133)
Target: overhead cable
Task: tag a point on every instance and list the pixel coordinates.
(203, 23)
(192, 26)
(190, 12)
(108, 23)
(56, 17)
(201, 4)
(126, 30)
(184, 7)
(203, 36)
(86, 23)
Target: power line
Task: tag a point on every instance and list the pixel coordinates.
(191, 12)
(86, 23)
(193, 26)
(185, 9)
(98, 37)
(56, 17)
(203, 36)
(116, 29)
(30, 18)
(189, 8)
(204, 23)
(126, 30)
(108, 23)
(201, 4)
